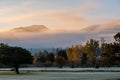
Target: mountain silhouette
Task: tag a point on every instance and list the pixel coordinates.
(103, 27)
(33, 28)
(100, 28)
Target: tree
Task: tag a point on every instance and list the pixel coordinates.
(60, 61)
(84, 59)
(63, 54)
(90, 49)
(14, 56)
(70, 54)
(41, 58)
(51, 57)
(61, 57)
(117, 37)
(74, 53)
(110, 54)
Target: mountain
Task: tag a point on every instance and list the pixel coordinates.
(99, 28)
(33, 28)
(91, 28)
(108, 27)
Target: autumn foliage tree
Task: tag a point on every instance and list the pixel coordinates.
(60, 61)
(111, 52)
(90, 49)
(74, 53)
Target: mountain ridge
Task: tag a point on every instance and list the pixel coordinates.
(100, 27)
(32, 28)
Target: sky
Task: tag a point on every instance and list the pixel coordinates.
(57, 14)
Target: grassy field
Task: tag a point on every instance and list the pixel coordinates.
(10, 75)
(13, 73)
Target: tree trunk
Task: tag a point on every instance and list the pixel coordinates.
(60, 66)
(72, 65)
(17, 69)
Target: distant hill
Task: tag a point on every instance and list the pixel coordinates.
(103, 27)
(33, 28)
(91, 28)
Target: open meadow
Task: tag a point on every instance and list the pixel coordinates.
(61, 74)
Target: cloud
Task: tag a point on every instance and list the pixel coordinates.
(64, 19)
(5, 10)
(18, 18)
(29, 12)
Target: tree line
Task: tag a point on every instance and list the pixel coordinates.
(91, 54)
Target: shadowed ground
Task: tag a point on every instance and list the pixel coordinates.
(60, 76)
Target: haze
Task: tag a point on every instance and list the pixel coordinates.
(68, 22)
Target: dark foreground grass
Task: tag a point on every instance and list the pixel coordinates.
(13, 73)
(26, 75)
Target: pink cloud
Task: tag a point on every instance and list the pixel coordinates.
(17, 18)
